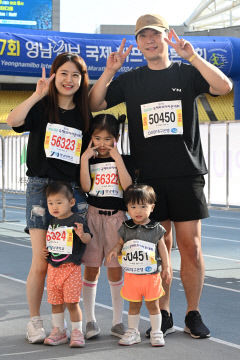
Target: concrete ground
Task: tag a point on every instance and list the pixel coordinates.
(220, 302)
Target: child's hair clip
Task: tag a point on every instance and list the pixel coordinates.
(121, 118)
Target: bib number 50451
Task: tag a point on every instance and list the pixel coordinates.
(163, 117)
(137, 255)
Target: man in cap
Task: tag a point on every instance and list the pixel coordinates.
(165, 143)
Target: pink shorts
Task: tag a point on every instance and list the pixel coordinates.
(64, 284)
(104, 229)
(138, 286)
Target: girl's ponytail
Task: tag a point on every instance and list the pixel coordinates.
(121, 121)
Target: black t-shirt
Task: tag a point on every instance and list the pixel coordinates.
(165, 155)
(108, 202)
(78, 245)
(37, 162)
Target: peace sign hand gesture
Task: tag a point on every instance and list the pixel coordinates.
(182, 47)
(117, 58)
(43, 84)
(113, 151)
(90, 152)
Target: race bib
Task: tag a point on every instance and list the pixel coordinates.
(63, 143)
(138, 257)
(162, 118)
(105, 180)
(60, 240)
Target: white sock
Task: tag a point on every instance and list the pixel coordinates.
(133, 321)
(89, 298)
(156, 322)
(58, 320)
(117, 301)
(35, 318)
(77, 325)
(65, 324)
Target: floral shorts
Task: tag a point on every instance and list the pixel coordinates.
(64, 283)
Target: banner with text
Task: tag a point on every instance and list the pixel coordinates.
(24, 53)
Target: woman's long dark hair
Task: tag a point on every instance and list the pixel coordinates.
(80, 98)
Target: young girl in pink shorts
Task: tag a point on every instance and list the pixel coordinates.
(103, 176)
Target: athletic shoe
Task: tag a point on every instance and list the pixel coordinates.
(77, 339)
(156, 338)
(92, 330)
(131, 336)
(35, 332)
(195, 326)
(56, 337)
(118, 330)
(167, 324)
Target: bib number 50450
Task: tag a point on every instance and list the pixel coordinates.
(163, 116)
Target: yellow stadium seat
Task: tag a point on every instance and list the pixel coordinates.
(202, 115)
(9, 100)
(222, 106)
(8, 133)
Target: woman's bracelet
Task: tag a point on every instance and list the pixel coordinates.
(192, 57)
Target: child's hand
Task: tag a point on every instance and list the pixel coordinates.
(112, 254)
(79, 230)
(166, 274)
(84, 237)
(45, 252)
(113, 151)
(90, 152)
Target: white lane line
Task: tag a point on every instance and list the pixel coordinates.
(13, 223)
(224, 217)
(12, 243)
(214, 286)
(219, 341)
(16, 280)
(13, 279)
(23, 353)
(142, 317)
(220, 239)
(222, 258)
(205, 255)
(222, 227)
(16, 211)
(203, 224)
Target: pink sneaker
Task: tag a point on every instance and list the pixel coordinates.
(77, 339)
(56, 337)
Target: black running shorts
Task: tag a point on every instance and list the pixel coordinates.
(179, 198)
